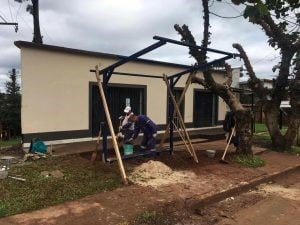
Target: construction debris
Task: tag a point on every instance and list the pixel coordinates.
(17, 178)
(34, 156)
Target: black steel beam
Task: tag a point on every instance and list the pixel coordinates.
(133, 56)
(1, 23)
(193, 46)
(134, 74)
(199, 67)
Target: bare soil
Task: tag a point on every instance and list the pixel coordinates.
(165, 203)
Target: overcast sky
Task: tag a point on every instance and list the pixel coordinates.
(124, 27)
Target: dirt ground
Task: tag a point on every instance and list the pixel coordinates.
(277, 202)
(167, 202)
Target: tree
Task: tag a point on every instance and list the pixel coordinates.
(242, 115)
(10, 111)
(272, 16)
(33, 9)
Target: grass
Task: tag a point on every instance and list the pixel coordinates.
(81, 178)
(10, 142)
(147, 217)
(262, 134)
(249, 160)
(295, 150)
(260, 127)
(151, 217)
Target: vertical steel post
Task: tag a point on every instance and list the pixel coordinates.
(171, 116)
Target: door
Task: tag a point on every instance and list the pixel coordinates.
(117, 99)
(205, 109)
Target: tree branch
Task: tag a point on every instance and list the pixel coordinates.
(274, 32)
(254, 83)
(228, 82)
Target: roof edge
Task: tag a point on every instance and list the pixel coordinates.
(21, 44)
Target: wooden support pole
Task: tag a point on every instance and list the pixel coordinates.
(180, 118)
(188, 82)
(113, 136)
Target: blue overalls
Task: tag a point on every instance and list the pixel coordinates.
(148, 127)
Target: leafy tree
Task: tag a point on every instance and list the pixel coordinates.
(223, 90)
(10, 110)
(273, 17)
(33, 9)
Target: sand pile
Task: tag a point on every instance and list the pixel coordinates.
(156, 173)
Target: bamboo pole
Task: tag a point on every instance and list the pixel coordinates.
(180, 118)
(187, 84)
(113, 136)
(185, 143)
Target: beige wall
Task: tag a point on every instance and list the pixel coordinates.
(55, 89)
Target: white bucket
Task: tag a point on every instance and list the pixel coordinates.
(211, 153)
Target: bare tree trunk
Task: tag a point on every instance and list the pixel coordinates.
(243, 131)
(271, 120)
(37, 37)
(295, 106)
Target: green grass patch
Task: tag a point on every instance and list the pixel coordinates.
(81, 178)
(295, 150)
(152, 217)
(260, 127)
(249, 160)
(147, 217)
(10, 142)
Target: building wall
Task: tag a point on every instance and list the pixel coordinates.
(55, 89)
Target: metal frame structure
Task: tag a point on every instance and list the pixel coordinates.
(172, 79)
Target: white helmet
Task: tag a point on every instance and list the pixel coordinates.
(127, 109)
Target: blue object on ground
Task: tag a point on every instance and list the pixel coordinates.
(37, 145)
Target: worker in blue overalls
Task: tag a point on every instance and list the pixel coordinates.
(148, 127)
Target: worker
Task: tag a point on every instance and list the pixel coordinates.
(148, 127)
(229, 127)
(127, 127)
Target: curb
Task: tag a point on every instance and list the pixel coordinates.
(5, 147)
(241, 188)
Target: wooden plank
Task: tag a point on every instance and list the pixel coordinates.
(108, 118)
(180, 118)
(187, 84)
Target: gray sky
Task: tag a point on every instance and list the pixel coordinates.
(124, 27)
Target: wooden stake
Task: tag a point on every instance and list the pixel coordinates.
(186, 145)
(180, 118)
(95, 153)
(113, 136)
(188, 82)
